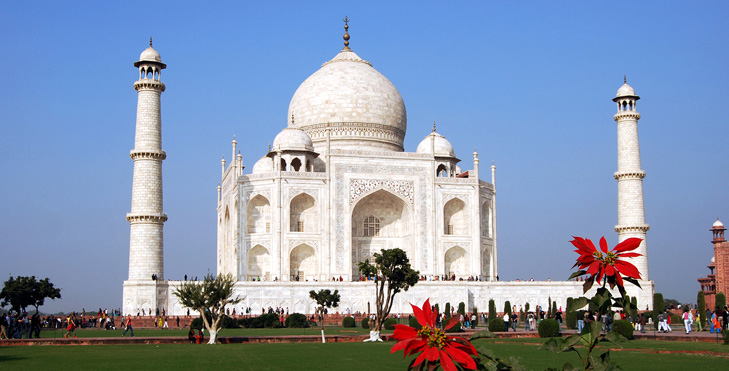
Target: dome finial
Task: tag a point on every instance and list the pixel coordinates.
(150, 41)
(346, 33)
(434, 126)
(625, 79)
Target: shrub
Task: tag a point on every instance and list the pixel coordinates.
(554, 309)
(507, 307)
(475, 322)
(492, 309)
(389, 324)
(269, 320)
(496, 325)
(720, 300)
(570, 317)
(701, 302)
(548, 328)
(447, 309)
(624, 328)
(348, 322)
(365, 323)
(658, 306)
(413, 322)
(226, 322)
(462, 308)
(297, 320)
(437, 308)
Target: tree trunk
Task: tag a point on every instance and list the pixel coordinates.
(213, 337)
(374, 336)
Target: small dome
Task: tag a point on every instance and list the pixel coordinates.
(292, 139)
(263, 165)
(150, 55)
(718, 224)
(625, 90)
(440, 144)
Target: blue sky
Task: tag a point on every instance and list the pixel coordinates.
(528, 84)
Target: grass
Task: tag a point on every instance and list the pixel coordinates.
(636, 355)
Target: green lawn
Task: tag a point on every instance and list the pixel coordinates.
(332, 356)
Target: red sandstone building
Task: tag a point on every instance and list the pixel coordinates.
(718, 280)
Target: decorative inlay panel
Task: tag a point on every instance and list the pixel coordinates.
(360, 187)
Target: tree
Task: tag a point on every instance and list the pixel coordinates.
(462, 308)
(210, 296)
(21, 292)
(507, 308)
(324, 299)
(720, 300)
(392, 273)
(549, 306)
(492, 309)
(658, 306)
(701, 303)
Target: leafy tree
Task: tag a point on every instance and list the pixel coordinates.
(554, 309)
(507, 307)
(549, 306)
(720, 300)
(448, 309)
(658, 306)
(209, 296)
(21, 292)
(462, 308)
(701, 303)
(392, 273)
(492, 309)
(324, 299)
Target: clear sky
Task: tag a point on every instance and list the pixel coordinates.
(528, 84)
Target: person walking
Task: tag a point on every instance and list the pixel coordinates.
(506, 321)
(71, 327)
(128, 326)
(686, 321)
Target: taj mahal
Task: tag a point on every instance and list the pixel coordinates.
(337, 186)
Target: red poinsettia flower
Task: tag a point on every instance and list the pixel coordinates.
(432, 342)
(606, 263)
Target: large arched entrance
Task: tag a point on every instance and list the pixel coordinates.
(380, 221)
(259, 263)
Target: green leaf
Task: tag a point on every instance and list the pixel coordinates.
(483, 334)
(632, 280)
(568, 367)
(578, 303)
(555, 345)
(615, 338)
(577, 274)
(595, 329)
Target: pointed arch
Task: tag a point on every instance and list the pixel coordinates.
(303, 216)
(259, 263)
(303, 263)
(259, 215)
(455, 218)
(456, 261)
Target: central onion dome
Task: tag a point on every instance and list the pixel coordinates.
(358, 106)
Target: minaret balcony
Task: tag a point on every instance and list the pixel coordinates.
(149, 84)
(619, 175)
(626, 115)
(152, 155)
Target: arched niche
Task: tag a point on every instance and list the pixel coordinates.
(455, 218)
(259, 215)
(486, 219)
(456, 262)
(303, 215)
(259, 263)
(302, 261)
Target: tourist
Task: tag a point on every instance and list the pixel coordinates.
(668, 320)
(506, 321)
(165, 325)
(687, 320)
(3, 327)
(641, 323)
(191, 336)
(70, 327)
(514, 319)
(580, 324)
(128, 326)
(558, 317)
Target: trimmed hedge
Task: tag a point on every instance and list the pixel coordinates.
(348, 322)
(496, 325)
(413, 322)
(548, 328)
(389, 324)
(623, 327)
(226, 322)
(365, 323)
(297, 320)
(269, 320)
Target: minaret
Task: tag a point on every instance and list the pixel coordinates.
(631, 209)
(146, 251)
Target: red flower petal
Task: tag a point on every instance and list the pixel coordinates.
(420, 359)
(446, 362)
(603, 245)
(627, 269)
(404, 332)
(452, 322)
(580, 244)
(609, 270)
(420, 316)
(594, 267)
(629, 244)
(431, 354)
(619, 280)
(462, 358)
(463, 345)
(428, 313)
